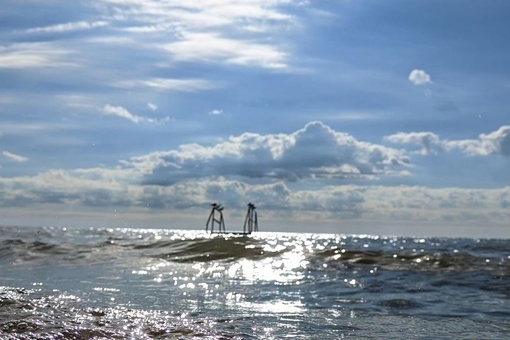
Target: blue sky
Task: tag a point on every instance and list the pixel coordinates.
(379, 117)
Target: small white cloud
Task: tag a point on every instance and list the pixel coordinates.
(14, 157)
(147, 28)
(121, 112)
(419, 77)
(152, 106)
(186, 85)
(216, 112)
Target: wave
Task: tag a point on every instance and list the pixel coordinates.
(93, 245)
(210, 249)
(17, 251)
(405, 260)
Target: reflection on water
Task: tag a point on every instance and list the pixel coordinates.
(142, 283)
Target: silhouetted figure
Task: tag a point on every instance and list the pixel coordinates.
(217, 209)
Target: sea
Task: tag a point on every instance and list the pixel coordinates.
(128, 283)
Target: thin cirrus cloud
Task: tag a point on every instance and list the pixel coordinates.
(152, 106)
(167, 84)
(176, 27)
(67, 27)
(33, 55)
(185, 85)
(212, 47)
(216, 112)
(210, 14)
(329, 154)
(14, 157)
(214, 31)
(121, 112)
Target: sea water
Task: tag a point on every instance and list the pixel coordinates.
(96, 283)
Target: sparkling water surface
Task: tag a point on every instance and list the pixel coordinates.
(58, 283)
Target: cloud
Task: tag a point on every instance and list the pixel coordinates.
(430, 142)
(237, 31)
(213, 47)
(139, 29)
(65, 187)
(444, 205)
(186, 85)
(67, 27)
(112, 188)
(14, 157)
(152, 106)
(494, 143)
(121, 112)
(164, 84)
(419, 77)
(33, 55)
(314, 152)
(154, 15)
(216, 112)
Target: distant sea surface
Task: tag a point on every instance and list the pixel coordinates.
(96, 283)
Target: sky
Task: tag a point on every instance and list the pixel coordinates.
(366, 117)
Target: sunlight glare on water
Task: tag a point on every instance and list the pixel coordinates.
(145, 283)
(280, 270)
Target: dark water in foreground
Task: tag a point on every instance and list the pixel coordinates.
(147, 283)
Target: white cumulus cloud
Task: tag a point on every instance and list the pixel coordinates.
(419, 77)
(315, 151)
(494, 143)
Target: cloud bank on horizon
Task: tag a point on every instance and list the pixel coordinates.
(165, 106)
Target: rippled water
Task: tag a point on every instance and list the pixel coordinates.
(146, 283)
